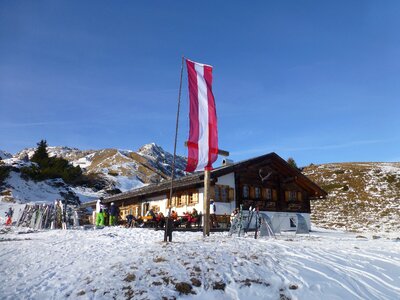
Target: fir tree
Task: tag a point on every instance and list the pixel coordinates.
(41, 157)
(292, 162)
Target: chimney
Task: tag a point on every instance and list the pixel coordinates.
(227, 162)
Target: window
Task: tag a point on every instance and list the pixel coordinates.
(180, 200)
(224, 194)
(221, 193)
(193, 198)
(155, 208)
(292, 196)
(245, 191)
(267, 194)
(217, 194)
(257, 192)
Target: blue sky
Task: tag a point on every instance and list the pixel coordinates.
(318, 81)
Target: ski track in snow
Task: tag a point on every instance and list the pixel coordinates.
(96, 264)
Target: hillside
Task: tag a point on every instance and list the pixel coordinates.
(115, 170)
(361, 196)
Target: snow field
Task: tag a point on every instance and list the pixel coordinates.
(136, 264)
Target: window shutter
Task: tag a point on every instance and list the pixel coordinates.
(264, 194)
(252, 192)
(274, 195)
(299, 196)
(195, 197)
(212, 192)
(287, 195)
(231, 194)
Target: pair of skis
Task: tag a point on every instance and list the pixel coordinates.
(253, 211)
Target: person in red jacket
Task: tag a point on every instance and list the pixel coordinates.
(9, 215)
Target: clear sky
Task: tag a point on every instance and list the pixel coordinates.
(318, 81)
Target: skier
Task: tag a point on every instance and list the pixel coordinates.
(9, 215)
(114, 212)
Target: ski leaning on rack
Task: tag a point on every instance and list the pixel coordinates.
(251, 213)
(258, 223)
(240, 227)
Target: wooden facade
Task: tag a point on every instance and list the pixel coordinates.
(270, 188)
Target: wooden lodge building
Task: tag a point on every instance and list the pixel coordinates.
(267, 181)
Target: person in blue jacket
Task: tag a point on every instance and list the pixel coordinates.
(114, 213)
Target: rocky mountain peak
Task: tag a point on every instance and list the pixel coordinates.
(5, 155)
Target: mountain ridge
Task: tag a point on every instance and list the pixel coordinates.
(120, 170)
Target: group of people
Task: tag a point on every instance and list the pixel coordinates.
(106, 215)
(158, 220)
(151, 218)
(187, 219)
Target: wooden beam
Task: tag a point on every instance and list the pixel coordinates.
(220, 152)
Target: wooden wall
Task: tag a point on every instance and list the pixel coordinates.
(270, 189)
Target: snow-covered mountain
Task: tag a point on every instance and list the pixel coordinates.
(4, 155)
(118, 170)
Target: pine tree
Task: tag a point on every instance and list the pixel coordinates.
(292, 162)
(41, 157)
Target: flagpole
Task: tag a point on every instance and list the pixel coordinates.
(168, 224)
(206, 203)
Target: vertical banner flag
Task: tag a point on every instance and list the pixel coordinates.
(203, 132)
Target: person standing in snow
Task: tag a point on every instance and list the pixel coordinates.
(213, 217)
(104, 208)
(233, 214)
(96, 212)
(114, 213)
(9, 216)
(99, 214)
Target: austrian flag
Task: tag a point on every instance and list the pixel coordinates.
(203, 132)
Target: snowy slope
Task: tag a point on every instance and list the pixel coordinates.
(21, 190)
(119, 263)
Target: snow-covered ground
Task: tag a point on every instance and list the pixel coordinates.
(119, 263)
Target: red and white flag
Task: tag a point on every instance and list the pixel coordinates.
(203, 133)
